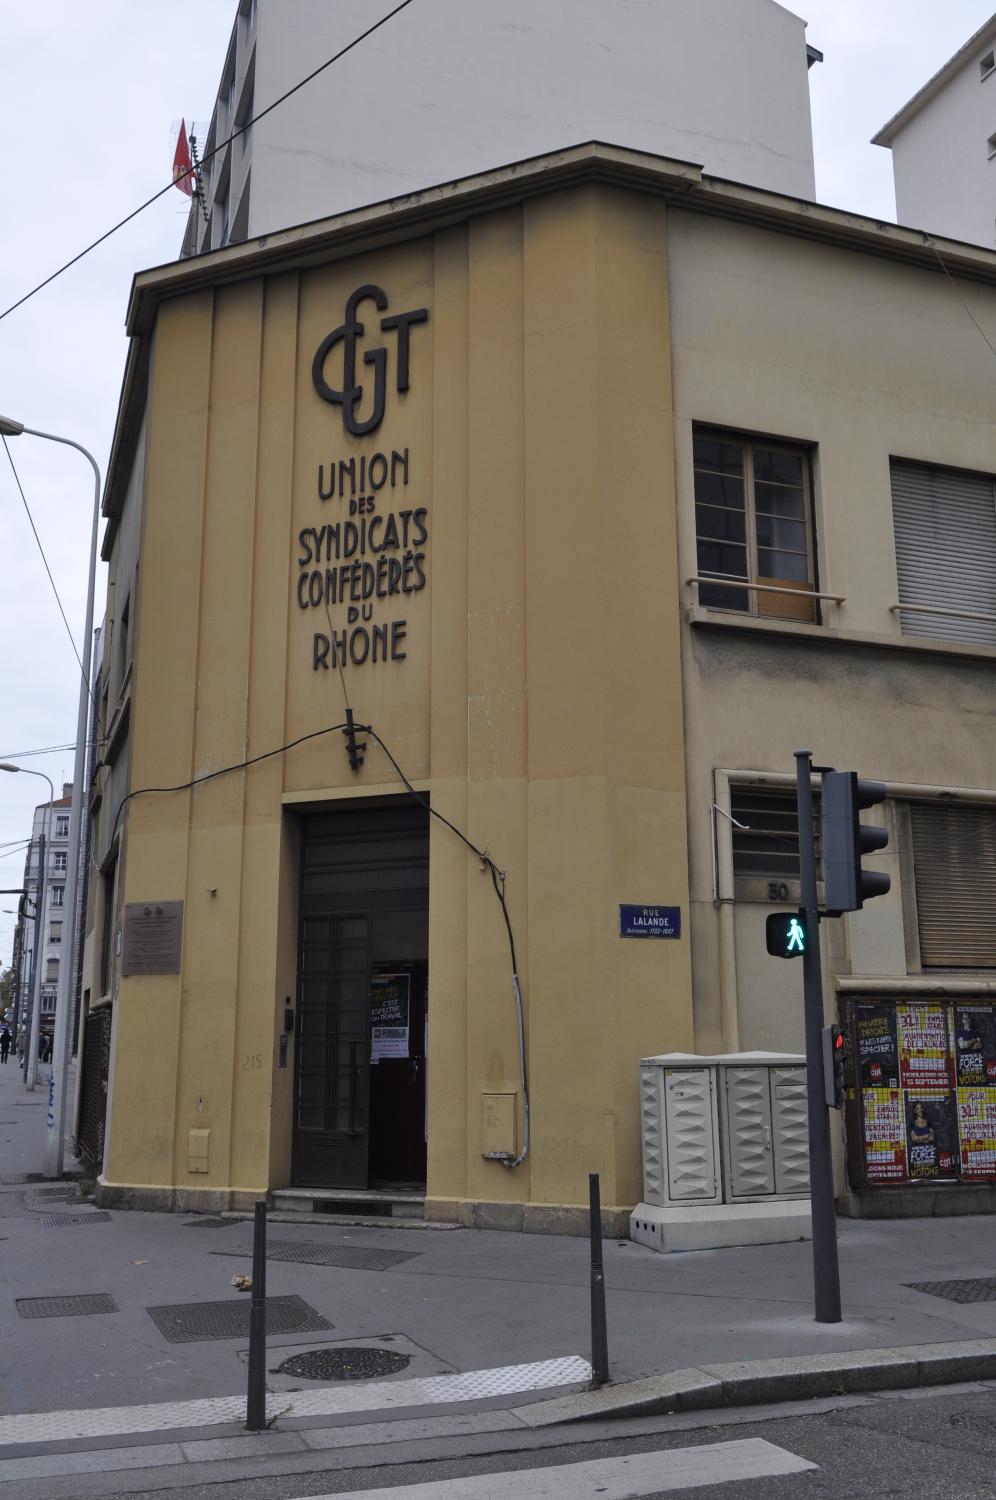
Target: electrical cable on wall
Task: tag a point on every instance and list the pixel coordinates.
(498, 876)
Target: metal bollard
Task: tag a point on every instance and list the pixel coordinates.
(599, 1331)
(256, 1400)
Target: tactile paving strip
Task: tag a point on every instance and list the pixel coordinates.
(433, 1390)
(66, 1307)
(975, 1289)
(195, 1322)
(310, 1253)
(59, 1221)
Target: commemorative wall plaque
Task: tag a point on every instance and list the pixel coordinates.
(153, 937)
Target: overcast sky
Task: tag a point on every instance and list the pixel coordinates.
(89, 94)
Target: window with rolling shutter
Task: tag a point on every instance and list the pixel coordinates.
(945, 523)
(954, 862)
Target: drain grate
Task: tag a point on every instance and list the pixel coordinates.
(63, 1194)
(344, 1364)
(208, 1221)
(66, 1307)
(59, 1221)
(975, 1289)
(309, 1253)
(195, 1322)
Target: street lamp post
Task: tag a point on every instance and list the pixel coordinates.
(54, 1140)
(34, 973)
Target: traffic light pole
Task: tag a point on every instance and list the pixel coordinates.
(826, 1274)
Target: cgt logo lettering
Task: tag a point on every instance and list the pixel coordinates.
(350, 395)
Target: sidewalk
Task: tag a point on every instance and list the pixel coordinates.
(459, 1301)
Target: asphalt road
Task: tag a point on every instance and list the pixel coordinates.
(915, 1444)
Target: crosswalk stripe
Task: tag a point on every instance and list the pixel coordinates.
(624, 1478)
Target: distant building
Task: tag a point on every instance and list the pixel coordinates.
(943, 146)
(449, 88)
(52, 820)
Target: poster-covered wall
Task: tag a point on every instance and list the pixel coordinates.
(925, 1086)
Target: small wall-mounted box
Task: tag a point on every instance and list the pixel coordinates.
(498, 1124)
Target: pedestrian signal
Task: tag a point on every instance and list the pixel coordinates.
(785, 934)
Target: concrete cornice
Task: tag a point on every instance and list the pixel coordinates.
(415, 214)
(933, 86)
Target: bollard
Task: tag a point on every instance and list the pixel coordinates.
(599, 1332)
(256, 1400)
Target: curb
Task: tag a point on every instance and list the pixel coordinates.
(751, 1382)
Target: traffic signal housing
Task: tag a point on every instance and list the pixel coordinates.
(846, 839)
(785, 934)
(833, 1066)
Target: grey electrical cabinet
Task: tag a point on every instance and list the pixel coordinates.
(765, 1131)
(725, 1150)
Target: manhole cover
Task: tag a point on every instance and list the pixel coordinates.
(66, 1307)
(207, 1221)
(59, 1221)
(194, 1322)
(344, 1364)
(977, 1289)
(309, 1253)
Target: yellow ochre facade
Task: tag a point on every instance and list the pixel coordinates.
(467, 465)
(529, 467)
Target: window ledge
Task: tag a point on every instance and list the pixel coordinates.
(939, 982)
(721, 619)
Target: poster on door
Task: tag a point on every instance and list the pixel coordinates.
(977, 1133)
(885, 1135)
(390, 1016)
(931, 1133)
(924, 1048)
(975, 1045)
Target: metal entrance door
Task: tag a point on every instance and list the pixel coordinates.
(333, 1045)
(364, 904)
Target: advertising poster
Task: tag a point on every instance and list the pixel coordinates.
(931, 1133)
(390, 1012)
(878, 1055)
(977, 1133)
(885, 1135)
(975, 1044)
(924, 1049)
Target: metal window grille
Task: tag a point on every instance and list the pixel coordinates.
(767, 847)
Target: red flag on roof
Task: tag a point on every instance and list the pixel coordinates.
(183, 175)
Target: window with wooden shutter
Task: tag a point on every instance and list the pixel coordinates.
(954, 862)
(945, 523)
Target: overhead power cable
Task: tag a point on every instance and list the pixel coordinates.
(206, 158)
(42, 750)
(48, 570)
(954, 287)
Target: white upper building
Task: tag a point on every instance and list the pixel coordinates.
(452, 87)
(944, 146)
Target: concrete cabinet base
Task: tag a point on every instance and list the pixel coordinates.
(718, 1226)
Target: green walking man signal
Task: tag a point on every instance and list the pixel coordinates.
(785, 934)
